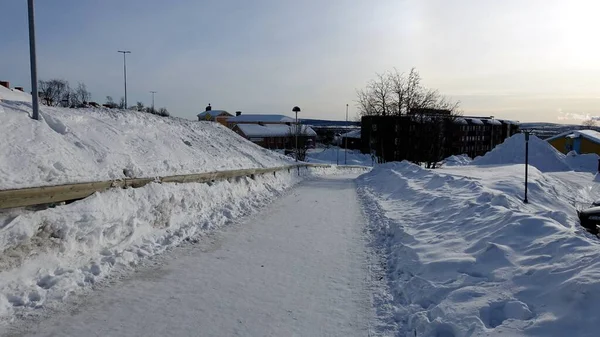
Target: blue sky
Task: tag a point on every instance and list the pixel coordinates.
(526, 60)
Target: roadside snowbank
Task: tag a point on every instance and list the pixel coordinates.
(541, 154)
(466, 257)
(47, 255)
(331, 156)
(79, 145)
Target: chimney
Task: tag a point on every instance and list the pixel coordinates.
(5, 84)
(238, 113)
(19, 88)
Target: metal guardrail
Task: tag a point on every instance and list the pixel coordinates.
(63, 193)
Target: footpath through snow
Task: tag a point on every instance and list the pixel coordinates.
(299, 268)
(466, 257)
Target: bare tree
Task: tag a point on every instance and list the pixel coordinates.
(54, 92)
(301, 132)
(110, 103)
(163, 112)
(139, 106)
(122, 104)
(80, 96)
(590, 123)
(421, 131)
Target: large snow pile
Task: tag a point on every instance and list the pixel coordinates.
(541, 154)
(78, 145)
(466, 257)
(458, 160)
(14, 95)
(334, 155)
(587, 162)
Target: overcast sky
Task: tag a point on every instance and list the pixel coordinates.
(529, 60)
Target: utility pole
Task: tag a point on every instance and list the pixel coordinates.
(153, 92)
(346, 140)
(33, 62)
(125, 52)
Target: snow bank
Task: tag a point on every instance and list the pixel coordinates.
(14, 95)
(78, 145)
(49, 254)
(541, 154)
(460, 160)
(466, 257)
(582, 162)
(331, 156)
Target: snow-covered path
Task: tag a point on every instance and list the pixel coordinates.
(299, 268)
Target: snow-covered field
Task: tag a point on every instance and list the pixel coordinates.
(78, 145)
(334, 155)
(466, 257)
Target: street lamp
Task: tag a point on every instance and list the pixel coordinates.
(125, 52)
(346, 140)
(296, 110)
(33, 62)
(153, 92)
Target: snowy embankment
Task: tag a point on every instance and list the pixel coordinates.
(80, 145)
(48, 254)
(335, 155)
(466, 256)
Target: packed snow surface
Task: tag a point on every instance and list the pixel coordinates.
(281, 272)
(334, 155)
(79, 145)
(466, 256)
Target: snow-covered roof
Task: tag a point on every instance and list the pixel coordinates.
(506, 121)
(352, 134)
(248, 118)
(14, 95)
(592, 135)
(475, 121)
(272, 130)
(213, 113)
(491, 121)
(460, 120)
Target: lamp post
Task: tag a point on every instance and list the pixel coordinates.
(33, 62)
(125, 52)
(296, 110)
(346, 140)
(526, 163)
(153, 92)
(339, 143)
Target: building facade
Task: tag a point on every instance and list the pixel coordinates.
(579, 141)
(431, 136)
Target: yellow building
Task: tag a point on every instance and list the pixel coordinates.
(580, 141)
